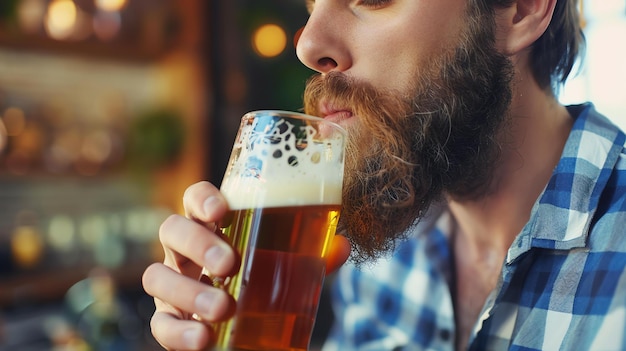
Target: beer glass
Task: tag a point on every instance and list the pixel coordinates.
(283, 186)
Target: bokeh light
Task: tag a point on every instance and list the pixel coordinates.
(27, 246)
(269, 40)
(30, 15)
(61, 19)
(110, 5)
(4, 137)
(97, 146)
(62, 233)
(14, 121)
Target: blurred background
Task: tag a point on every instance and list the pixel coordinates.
(109, 109)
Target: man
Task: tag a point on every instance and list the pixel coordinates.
(503, 210)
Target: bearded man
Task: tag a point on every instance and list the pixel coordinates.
(481, 213)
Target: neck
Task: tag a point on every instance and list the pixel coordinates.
(539, 129)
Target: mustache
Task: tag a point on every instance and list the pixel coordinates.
(334, 88)
(378, 111)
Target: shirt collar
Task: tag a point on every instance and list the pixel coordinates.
(561, 217)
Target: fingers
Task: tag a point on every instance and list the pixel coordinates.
(187, 294)
(185, 240)
(204, 202)
(175, 334)
(338, 254)
(175, 293)
(191, 243)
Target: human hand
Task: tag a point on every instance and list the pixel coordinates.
(190, 243)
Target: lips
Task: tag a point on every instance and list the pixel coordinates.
(334, 114)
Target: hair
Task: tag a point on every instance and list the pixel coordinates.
(554, 54)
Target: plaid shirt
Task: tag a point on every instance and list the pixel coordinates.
(562, 287)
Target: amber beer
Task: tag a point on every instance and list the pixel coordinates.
(284, 270)
(283, 186)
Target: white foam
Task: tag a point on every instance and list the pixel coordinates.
(248, 194)
(277, 169)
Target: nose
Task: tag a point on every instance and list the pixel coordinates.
(322, 44)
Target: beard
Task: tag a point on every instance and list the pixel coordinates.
(406, 153)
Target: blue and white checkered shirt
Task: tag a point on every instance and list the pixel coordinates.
(562, 287)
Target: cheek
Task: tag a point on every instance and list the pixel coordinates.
(395, 59)
(389, 63)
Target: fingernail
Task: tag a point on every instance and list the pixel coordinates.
(204, 303)
(190, 338)
(214, 256)
(209, 206)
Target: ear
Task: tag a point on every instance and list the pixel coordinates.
(523, 23)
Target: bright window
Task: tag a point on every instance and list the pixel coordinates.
(602, 77)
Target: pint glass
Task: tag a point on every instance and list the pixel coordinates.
(283, 186)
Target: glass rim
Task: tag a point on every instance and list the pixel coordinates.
(300, 115)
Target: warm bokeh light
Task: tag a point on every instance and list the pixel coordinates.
(110, 5)
(61, 18)
(30, 15)
(269, 40)
(97, 146)
(25, 148)
(27, 246)
(4, 137)
(66, 145)
(14, 121)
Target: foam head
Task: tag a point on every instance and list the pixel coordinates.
(282, 159)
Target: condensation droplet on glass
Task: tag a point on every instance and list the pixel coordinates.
(315, 158)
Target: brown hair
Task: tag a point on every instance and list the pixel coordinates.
(554, 54)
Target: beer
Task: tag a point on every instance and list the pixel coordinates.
(283, 187)
(279, 289)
